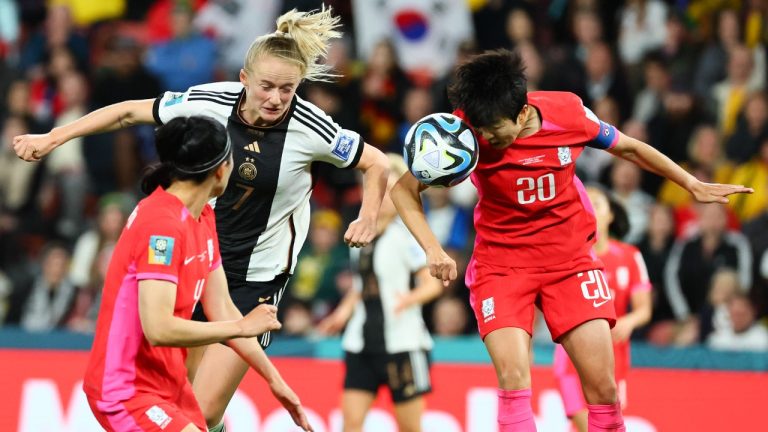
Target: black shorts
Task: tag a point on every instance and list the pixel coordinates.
(406, 374)
(248, 295)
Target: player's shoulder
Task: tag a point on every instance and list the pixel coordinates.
(225, 87)
(156, 210)
(566, 104)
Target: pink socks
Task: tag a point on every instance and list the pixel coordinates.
(515, 413)
(606, 418)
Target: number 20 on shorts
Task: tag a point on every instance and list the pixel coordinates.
(595, 287)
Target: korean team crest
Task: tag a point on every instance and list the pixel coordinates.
(158, 416)
(564, 154)
(488, 309)
(161, 250)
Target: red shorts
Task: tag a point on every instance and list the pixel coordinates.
(148, 412)
(568, 295)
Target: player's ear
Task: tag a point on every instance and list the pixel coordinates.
(523, 115)
(244, 78)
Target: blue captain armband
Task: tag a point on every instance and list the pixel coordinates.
(606, 138)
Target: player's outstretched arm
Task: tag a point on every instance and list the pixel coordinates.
(112, 117)
(375, 168)
(427, 289)
(405, 195)
(654, 161)
(219, 307)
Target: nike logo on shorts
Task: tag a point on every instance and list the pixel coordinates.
(189, 259)
(598, 304)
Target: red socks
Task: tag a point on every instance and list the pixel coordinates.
(515, 413)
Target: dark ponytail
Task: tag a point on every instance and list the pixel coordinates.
(189, 148)
(619, 227)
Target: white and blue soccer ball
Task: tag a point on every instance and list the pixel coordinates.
(440, 150)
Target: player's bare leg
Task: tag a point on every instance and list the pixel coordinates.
(408, 415)
(218, 375)
(509, 349)
(354, 407)
(591, 349)
(191, 428)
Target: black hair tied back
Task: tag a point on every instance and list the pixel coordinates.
(189, 148)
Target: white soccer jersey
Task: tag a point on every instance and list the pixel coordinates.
(263, 216)
(386, 269)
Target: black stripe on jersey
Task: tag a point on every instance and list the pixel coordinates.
(213, 95)
(358, 155)
(210, 99)
(156, 109)
(216, 93)
(323, 123)
(373, 327)
(323, 134)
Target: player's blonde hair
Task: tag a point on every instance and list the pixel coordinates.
(301, 38)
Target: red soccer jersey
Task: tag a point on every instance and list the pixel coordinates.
(532, 209)
(160, 241)
(626, 274)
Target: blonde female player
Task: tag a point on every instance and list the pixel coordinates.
(627, 279)
(263, 216)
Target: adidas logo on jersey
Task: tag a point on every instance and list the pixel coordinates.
(252, 147)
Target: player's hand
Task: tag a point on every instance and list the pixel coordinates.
(716, 192)
(32, 148)
(622, 330)
(259, 321)
(290, 402)
(441, 265)
(331, 325)
(360, 232)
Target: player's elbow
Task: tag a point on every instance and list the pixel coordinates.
(158, 334)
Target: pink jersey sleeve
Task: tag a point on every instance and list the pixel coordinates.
(158, 247)
(639, 281)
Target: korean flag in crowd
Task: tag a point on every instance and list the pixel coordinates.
(426, 33)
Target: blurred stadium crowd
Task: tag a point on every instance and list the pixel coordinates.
(688, 77)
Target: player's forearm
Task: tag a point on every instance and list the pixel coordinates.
(179, 332)
(408, 203)
(653, 160)
(109, 118)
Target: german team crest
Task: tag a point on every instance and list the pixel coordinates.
(564, 154)
(247, 169)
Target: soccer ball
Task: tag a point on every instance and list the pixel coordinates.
(440, 150)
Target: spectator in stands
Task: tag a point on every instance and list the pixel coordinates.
(9, 27)
(187, 59)
(671, 128)
(449, 317)
(655, 247)
(605, 79)
(729, 95)
(693, 261)
(657, 82)
(757, 233)
(297, 319)
(680, 50)
(48, 301)
(705, 159)
(534, 64)
(625, 188)
(16, 177)
(416, 104)
(66, 169)
(382, 86)
(592, 163)
(751, 127)
(642, 29)
(755, 172)
(714, 315)
(319, 264)
(57, 33)
(744, 333)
